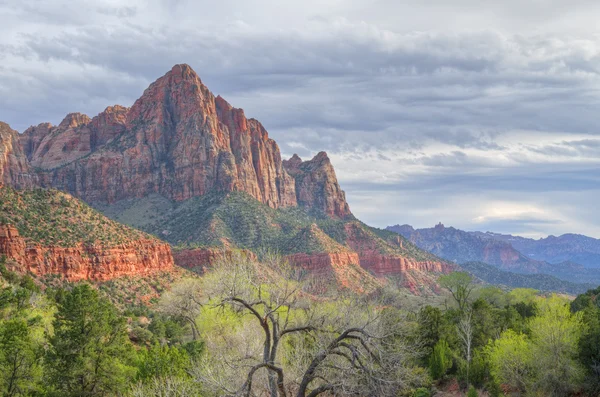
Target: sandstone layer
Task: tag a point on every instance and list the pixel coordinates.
(81, 262)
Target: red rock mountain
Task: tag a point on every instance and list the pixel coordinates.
(14, 168)
(180, 141)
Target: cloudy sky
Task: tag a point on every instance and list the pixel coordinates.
(481, 114)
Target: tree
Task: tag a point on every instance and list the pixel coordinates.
(441, 360)
(510, 360)
(333, 348)
(162, 361)
(555, 334)
(89, 351)
(184, 301)
(460, 285)
(465, 333)
(19, 359)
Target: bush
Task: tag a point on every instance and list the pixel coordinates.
(472, 392)
(421, 392)
(441, 360)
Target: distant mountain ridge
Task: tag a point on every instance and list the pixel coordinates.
(565, 248)
(499, 250)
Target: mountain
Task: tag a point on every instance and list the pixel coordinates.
(542, 282)
(191, 169)
(566, 248)
(50, 232)
(202, 226)
(460, 247)
(180, 141)
(14, 167)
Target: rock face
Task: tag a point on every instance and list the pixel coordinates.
(179, 141)
(566, 248)
(14, 168)
(317, 186)
(96, 263)
(201, 258)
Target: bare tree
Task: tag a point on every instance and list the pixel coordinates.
(465, 333)
(184, 301)
(334, 348)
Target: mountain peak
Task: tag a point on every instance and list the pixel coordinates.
(183, 70)
(73, 120)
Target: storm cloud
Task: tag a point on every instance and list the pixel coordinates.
(479, 114)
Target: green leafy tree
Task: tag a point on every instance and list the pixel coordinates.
(460, 285)
(19, 359)
(162, 361)
(589, 348)
(90, 350)
(510, 360)
(441, 360)
(555, 334)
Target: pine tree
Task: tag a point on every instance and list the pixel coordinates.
(89, 351)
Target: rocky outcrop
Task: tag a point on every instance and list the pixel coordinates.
(317, 186)
(201, 258)
(14, 168)
(81, 262)
(383, 265)
(177, 140)
(324, 260)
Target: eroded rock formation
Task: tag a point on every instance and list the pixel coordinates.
(81, 262)
(14, 168)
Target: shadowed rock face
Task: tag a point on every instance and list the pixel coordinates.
(14, 168)
(177, 140)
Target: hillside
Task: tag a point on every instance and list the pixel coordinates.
(237, 221)
(541, 282)
(50, 232)
(53, 218)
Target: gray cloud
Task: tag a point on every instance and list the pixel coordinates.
(408, 102)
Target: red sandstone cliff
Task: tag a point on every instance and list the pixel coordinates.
(180, 141)
(177, 140)
(96, 263)
(14, 168)
(317, 186)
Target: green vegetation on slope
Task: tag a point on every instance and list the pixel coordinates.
(51, 217)
(238, 220)
(542, 282)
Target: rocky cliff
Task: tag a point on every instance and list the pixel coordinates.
(14, 168)
(47, 232)
(187, 166)
(84, 262)
(460, 246)
(317, 186)
(180, 141)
